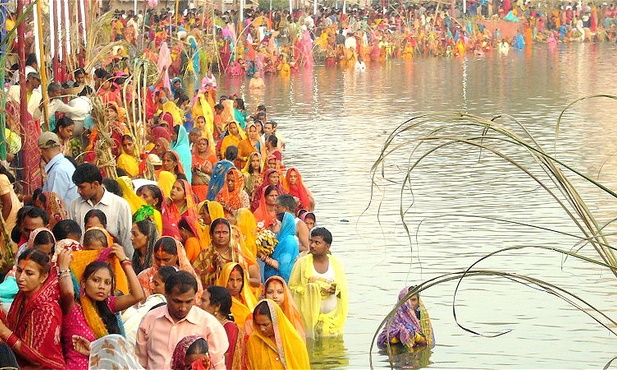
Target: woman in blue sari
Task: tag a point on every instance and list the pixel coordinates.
(180, 144)
(282, 260)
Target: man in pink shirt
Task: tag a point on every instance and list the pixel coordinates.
(162, 328)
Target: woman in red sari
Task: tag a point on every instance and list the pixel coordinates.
(270, 177)
(179, 203)
(32, 327)
(295, 187)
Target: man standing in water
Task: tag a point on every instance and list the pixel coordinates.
(319, 288)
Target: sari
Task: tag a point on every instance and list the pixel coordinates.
(241, 307)
(286, 250)
(259, 192)
(262, 215)
(146, 276)
(112, 352)
(182, 147)
(129, 163)
(215, 210)
(54, 206)
(286, 350)
(171, 214)
(235, 199)
(83, 258)
(245, 221)
(252, 180)
(37, 322)
(192, 244)
(308, 298)
(235, 357)
(289, 306)
(209, 264)
(165, 182)
(218, 178)
(407, 325)
(139, 207)
(246, 150)
(230, 140)
(179, 356)
(298, 190)
(202, 108)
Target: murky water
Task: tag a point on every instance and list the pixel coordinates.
(335, 123)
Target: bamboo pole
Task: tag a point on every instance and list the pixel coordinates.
(42, 62)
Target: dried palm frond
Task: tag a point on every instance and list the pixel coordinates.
(102, 147)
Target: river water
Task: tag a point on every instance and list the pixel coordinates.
(335, 122)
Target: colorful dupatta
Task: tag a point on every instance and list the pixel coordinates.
(286, 250)
(215, 210)
(259, 192)
(286, 350)
(262, 215)
(56, 209)
(182, 147)
(289, 306)
(171, 214)
(298, 190)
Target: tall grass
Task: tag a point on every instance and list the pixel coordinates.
(506, 138)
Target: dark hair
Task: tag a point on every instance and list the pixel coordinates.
(98, 214)
(65, 228)
(184, 224)
(262, 309)
(127, 137)
(45, 237)
(6, 172)
(41, 258)
(79, 71)
(273, 140)
(87, 172)
(218, 221)
(31, 59)
(148, 228)
(167, 244)
(199, 347)
(182, 176)
(35, 212)
(310, 215)
(177, 129)
(240, 103)
(108, 317)
(63, 122)
(287, 201)
(156, 193)
(220, 296)
(181, 280)
(100, 72)
(219, 106)
(112, 185)
(270, 189)
(250, 169)
(166, 271)
(231, 153)
(323, 232)
(7, 357)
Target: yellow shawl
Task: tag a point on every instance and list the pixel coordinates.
(240, 309)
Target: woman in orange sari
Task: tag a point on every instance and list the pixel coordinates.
(179, 203)
(233, 137)
(232, 196)
(266, 212)
(167, 252)
(235, 279)
(249, 145)
(277, 290)
(270, 177)
(32, 326)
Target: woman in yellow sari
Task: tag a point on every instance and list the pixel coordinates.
(233, 137)
(274, 343)
(128, 160)
(207, 211)
(235, 279)
(139, 208)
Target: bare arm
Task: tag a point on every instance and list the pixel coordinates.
(302, 232)
(67, 293)
(136, 292)
(7, 205)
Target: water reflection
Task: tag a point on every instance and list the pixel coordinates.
(401, 358)
(328, 353)
(335, 123)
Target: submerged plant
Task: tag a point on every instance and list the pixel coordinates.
(429, 135)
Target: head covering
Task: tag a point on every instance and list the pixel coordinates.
(55, 208)
(161, 132)
(179, 356)
(258, 192)
(287, 345)
(298, 190)
(48, 140)
(286, 250)
(68, 244)
(112, 352)
(240, 308)
(182, 147)
(288, 306)
(231, 199)
(36, 232)
(405, 325)
(245, 220)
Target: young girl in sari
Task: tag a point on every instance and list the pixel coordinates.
(252, 174)
(191, 352)
(33, 323)
(179, 203)
(91, 314)
(275, 288)
(217, 301)
(128, 160)
(274, 342)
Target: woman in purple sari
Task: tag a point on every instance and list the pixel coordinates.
(410, 326)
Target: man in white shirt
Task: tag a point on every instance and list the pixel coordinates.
(89, 183)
